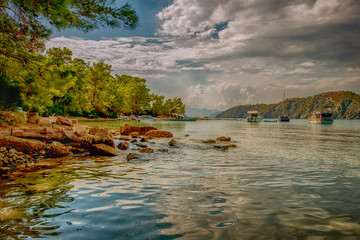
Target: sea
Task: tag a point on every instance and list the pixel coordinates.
(290, 180)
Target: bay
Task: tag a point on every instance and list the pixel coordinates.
(293, 180)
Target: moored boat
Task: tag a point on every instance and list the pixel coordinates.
(322, 117)
(253, 116)
(284, 117)
(270, 120)
(181, 117)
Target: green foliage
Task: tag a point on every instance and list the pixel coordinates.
(24, 24)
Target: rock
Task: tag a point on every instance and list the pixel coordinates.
(124, 138)
(21, 145)
(186, 135)
(225, 139)
(140, 145)
(105, 139)
(135, 134)
(12, 151)
(46, 121)
(12, 118)
(143, 139)
(133, 141)
(159, 134)
(96, 130)
(64, 121)
(56, 149)
(209, 141)
(146, 150)
(131, 156)
(127, 129)
(3, 149)
(74, 121)
(104, 150)
(221, 147)
(123, 146)
(172, 143)
(162, 150)
(80, 129)
(231, 145)
(32, 117)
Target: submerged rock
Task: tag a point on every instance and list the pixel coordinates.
(104, 150)
(172, 143)
(123, 146)
(131, 156)
(221, 147)
(209, 141)
(164, 150)
(225, 139)
(146, 150)
(159, 134)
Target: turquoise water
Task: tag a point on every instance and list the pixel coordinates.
(292, 180)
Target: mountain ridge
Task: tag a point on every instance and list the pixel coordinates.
(344, 104)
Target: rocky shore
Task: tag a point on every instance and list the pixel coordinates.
(45, 138)
(42, 138)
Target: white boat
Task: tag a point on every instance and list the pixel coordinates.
(253, 116)
(322, 117)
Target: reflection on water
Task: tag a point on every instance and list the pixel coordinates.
(283, 181)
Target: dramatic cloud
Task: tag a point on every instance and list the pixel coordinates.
(218, 54)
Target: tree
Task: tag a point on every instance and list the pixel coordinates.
(157, 104)
(136, 96)
(26, 25)
(98, 82)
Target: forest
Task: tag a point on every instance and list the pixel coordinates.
(53, 82)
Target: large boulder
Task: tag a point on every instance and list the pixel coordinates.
(104, 150)
(46, 121)
(99, 130)
(159, 134)
(123, 145)
(40, 133)
(32, 117)
(64, 121)
(127, 129)
(21, 145)
(79, 129)
(56, 149)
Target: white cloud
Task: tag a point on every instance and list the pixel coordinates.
(218, 54)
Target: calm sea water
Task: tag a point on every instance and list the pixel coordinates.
(292, 180)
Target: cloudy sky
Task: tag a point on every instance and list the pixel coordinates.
(221, 53)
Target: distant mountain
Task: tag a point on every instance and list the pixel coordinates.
(344, 104)
(196, 112)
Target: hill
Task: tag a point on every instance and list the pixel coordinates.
(203, 112)
(344, 104)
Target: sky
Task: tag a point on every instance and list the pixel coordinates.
(217, 54)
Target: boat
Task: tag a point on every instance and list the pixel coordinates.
(181, 117)
(284, 117)
(270, 120)
(253, 116)
(322, 117)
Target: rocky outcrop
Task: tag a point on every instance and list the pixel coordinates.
(29, 146)
(158, 134)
